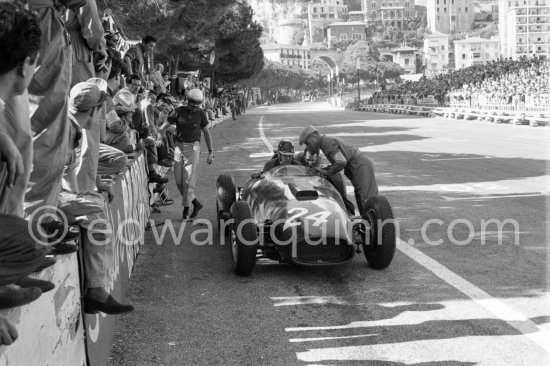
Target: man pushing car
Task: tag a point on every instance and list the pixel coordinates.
(357, 166)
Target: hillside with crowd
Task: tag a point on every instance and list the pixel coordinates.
(498, 82)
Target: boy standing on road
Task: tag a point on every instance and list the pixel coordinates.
(189, 123)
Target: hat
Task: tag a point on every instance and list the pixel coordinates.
(114, 123)
(100, 83)
(306, 133)
(85, 97)
(195, 96)
(124, 101)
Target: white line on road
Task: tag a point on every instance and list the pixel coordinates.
(262, 134)
(297, 340)
(502, 311)
(475, 158)
(477, 198)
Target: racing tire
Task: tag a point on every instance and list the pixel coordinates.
(243, 232)
(225, 197)
(379, 249)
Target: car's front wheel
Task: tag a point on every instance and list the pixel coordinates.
(379, 247)
(244, 239)
(225, 197)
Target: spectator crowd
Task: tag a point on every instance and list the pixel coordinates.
(77, 103)
(497, 82)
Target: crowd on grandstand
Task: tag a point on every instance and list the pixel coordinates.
(72, 114)
(503, 81)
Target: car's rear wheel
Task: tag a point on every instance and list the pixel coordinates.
(226, 196)
(379, 247)
(244, 239)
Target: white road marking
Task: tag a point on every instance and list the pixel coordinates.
(477, 198)
(502, 311)
(262, 134)
(450, 159)
(297, 340)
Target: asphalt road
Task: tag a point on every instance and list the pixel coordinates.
(453, 295)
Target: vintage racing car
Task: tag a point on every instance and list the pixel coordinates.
(292, 215)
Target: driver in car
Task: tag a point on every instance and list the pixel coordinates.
(284, 156)
(357, 166)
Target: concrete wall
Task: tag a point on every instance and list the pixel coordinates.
(51, 331)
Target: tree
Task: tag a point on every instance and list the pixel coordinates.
(372, 65)
(188, 33)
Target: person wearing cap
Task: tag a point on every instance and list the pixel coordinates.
(98, 251)
(189, 123)
(357, 166)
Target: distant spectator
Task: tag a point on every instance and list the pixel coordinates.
(139, 58)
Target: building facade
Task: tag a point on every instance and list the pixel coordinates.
(289, 55)
(396, 13)
(475, 51)
(436, 53)
(342, 31)
(320, 14)
(448, 16)
(406, 57)
(524, 28)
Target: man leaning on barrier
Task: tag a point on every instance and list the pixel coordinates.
(87, 208)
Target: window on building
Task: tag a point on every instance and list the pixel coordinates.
(438, 10)
(406, 61)
(407, 15)
(466, 9)
(356, 36)
(322, 10)
(453, 18)
(477, 55)
(464, 56)
(437, 2)
(373, 15)
(331, 16)
(373, 5)
(444, 2)
(443, 47)
(438, 17)
(343, 36)
(445, 10)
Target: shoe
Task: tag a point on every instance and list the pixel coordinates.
(169, 163)
(155, 178)
(13, 295)
(28, 282)
(56, 231)
(158, 188)
(62, 249)
(47, 262)
(196, 208)
(109, 306)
